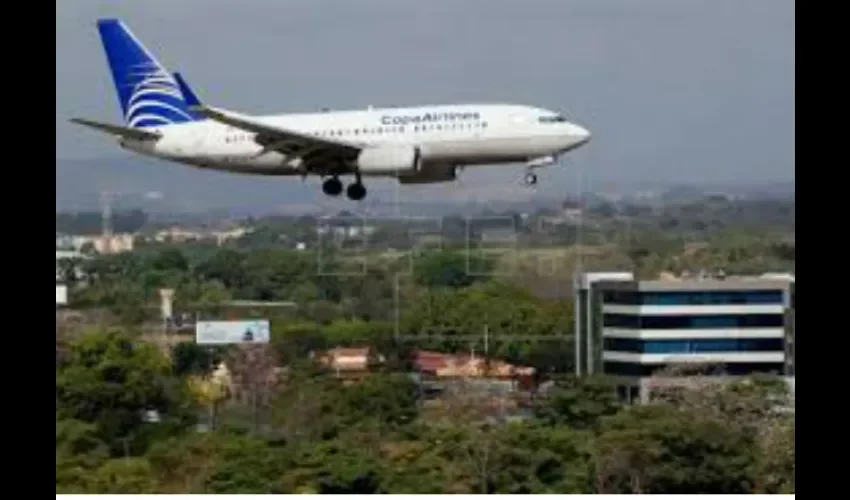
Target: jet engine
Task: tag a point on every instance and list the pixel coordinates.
(389, 161)
(430, 174)
(541, 161)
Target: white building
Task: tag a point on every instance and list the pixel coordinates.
(634, 329)
(61, 295)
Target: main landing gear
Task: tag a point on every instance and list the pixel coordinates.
(355, 191)
(332, 187)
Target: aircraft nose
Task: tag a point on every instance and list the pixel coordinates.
(580, 134)
(574, 136)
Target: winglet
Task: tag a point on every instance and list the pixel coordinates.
(189, 97)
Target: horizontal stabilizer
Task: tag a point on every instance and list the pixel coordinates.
(118, 130)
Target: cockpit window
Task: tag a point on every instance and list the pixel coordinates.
(552, 119)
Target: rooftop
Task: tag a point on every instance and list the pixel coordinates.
(686, 281)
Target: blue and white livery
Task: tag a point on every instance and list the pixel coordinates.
(164, 118)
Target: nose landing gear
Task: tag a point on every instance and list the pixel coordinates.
(530, 179)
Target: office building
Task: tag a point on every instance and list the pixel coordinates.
(732, 326)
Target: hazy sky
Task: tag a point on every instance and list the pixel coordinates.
(674, 90)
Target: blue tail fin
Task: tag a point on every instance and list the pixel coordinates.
(148, 93)
(189, 97)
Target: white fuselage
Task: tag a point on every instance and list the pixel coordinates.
(496, 134)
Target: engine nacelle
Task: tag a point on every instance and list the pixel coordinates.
(542, 161)
(389, 160)
(429, 174)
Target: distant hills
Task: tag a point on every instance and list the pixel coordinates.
(160, 187)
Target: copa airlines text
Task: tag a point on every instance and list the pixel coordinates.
(164, 118)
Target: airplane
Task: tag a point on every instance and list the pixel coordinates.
(164, 118)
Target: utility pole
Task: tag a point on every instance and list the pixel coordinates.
(486, 341)
(106, 220)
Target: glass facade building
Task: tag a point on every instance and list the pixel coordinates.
(629, 328)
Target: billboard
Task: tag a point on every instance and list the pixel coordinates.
(232, 332)
(61, 295)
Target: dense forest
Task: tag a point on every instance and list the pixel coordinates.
(127, 422)
(138, 415)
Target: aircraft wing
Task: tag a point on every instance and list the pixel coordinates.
(284, 141)
(309, 149)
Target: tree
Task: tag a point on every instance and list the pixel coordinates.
(122, 476)
(549, 358)
(422, 464)
(189, 358)
(79, 450)
(579, 402)
(660, 449)
(226, 267)
(472, 414)
(349, 333)
(169, 259)
(304, 408)
(450, 269)
(335, 467)
(509, 312)
(543, 459)
(68, 270)
(296, 340)
(204, 296)
(246, 465)
(112, 382)
(760, 406)
(255, 375)
(774, 470)
(389, 399)
(184, 463)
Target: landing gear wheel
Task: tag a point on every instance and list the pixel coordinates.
(332, 187)
(530, 179)
(356, 191)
